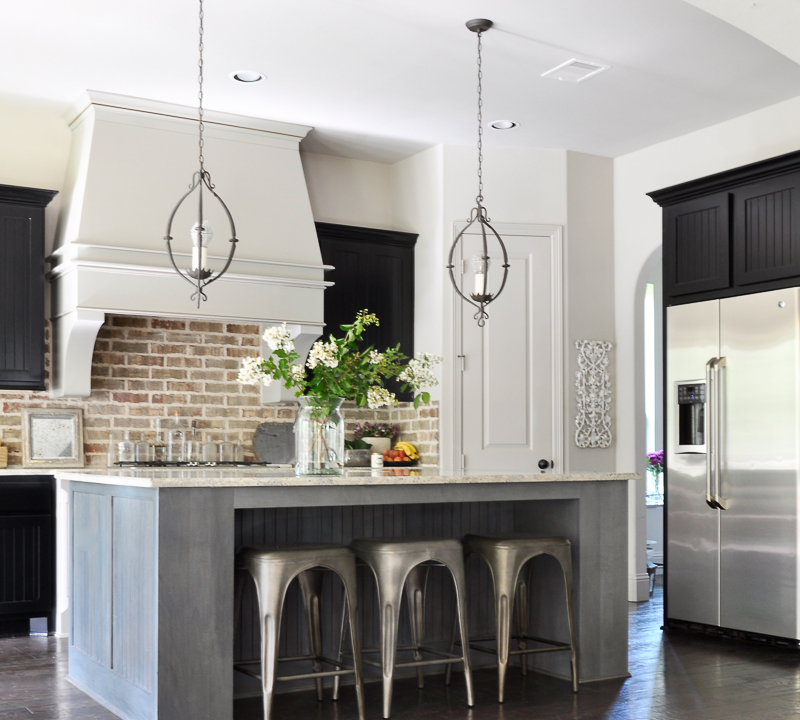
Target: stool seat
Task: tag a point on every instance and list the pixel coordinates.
(513, 541)
(401, 546)
(273, 568)
(294, 552)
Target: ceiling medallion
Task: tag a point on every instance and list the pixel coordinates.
(480, 262)
(200, 275)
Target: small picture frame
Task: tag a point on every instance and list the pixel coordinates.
(52, 438)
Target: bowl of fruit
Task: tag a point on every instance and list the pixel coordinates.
(403, 454)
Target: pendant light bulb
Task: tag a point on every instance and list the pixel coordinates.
(201, 237)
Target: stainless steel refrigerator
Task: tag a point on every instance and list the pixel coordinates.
(733, 429)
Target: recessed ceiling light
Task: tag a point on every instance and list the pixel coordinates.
(504, 124)
(575, 71)
(248, 76)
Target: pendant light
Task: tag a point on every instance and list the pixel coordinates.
(481, 262)
(199, 275)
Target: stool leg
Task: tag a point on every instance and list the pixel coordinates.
(448, 675)
(311, 589)
(456, 567)
(348, 575)
(565, 560)
(415, 597)
(390, 582)
(523, 608)
(342, 638)
(504, 585)
(270, 599)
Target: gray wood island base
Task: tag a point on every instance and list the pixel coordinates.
(151, 620)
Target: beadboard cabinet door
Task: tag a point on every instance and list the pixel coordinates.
(22, 279)
(766, 230)
(696, 245)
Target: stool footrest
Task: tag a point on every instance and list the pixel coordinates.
(242, 667)
(555, 645)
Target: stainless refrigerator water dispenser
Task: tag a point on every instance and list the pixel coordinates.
(691, 417)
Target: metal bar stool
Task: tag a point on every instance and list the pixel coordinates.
(403, 563)
(273, 568)
(506, 557)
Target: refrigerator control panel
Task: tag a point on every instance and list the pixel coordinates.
(691, 417)
(691, 394)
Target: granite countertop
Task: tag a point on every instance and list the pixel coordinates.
(283, 477)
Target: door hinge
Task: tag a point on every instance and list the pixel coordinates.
(463, 360)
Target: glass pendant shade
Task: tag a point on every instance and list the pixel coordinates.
(480, 266)
(201, 237)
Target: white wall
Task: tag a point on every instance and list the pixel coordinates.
(348, 192)
(34, 150)
(749, 138)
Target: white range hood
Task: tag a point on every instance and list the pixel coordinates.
(131, 161)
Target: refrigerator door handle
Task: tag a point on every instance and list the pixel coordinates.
(711, 412)
(719, 501)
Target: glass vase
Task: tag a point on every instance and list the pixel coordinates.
(319, 436)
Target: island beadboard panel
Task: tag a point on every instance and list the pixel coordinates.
(149, 367)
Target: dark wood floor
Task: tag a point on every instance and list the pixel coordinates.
(674, 677)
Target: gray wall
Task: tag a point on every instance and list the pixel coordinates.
(589, 288)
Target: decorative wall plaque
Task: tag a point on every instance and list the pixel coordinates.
(593, 391)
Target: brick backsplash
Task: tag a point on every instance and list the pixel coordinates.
(144, 368)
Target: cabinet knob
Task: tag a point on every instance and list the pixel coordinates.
(544, 464)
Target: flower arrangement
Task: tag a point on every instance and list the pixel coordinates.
(384, 430)
(337, 368)
(655, 464)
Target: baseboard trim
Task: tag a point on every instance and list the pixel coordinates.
(638, 587)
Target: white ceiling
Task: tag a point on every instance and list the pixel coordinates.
(383, 79)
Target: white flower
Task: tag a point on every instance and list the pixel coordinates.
(251, 371)
(375, 357)
(278, 337)
(419, 371)
(324, 353)
(296, 373)
(378, 396)
(267, 379)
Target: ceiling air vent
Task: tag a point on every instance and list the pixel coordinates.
(575, 71)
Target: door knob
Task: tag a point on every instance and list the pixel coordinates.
(544, 464)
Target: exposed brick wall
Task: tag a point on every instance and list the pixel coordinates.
(147, 367)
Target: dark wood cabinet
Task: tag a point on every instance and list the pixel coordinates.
(27, 551)
(766, 230)
(22, 278)
(697, 233)
(373, 269)
(732, 233)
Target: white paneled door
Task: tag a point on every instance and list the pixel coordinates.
(511, 379)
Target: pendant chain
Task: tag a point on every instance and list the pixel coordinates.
(200, 91)
(480, 125)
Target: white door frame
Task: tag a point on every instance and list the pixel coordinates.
(554, 232)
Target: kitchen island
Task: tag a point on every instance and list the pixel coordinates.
(152, 566)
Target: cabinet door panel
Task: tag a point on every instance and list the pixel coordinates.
(26, 564)
(697, 239)
(766, 236)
